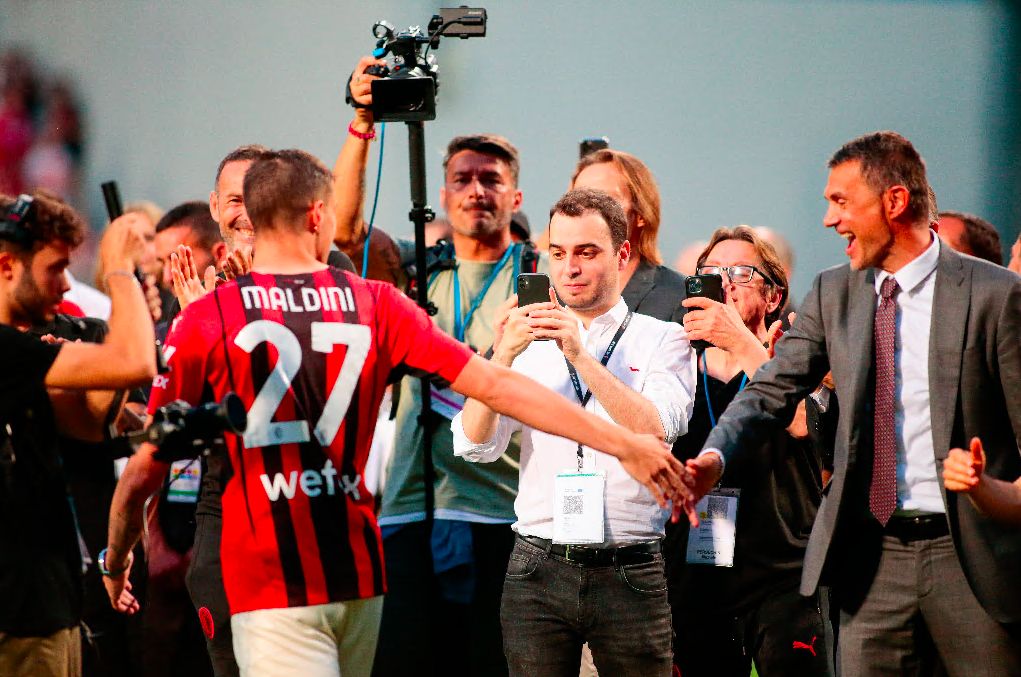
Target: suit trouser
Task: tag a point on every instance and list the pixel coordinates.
(918, 612)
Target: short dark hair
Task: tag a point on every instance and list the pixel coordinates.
(281, 185)
(50, 219)
(248, 153)
(487, 144)
(888, 159)
(194, 215)
(575, 203)
(980, 236)
(765, 251)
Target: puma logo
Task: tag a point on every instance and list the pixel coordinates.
(633, 369)
(809, 647)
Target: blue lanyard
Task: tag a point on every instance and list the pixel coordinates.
(461, 325)
(705, 385)
(583, 398)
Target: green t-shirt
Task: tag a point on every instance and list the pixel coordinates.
(468, 491)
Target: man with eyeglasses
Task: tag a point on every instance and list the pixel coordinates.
(731, 610)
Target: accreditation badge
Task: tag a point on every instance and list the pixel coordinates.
(185, 481)
(578, 507)
(712, 541)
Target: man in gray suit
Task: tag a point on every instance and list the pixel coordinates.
(925, 349)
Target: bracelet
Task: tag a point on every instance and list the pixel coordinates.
(125, 273)
(101, 562)
(364, 136)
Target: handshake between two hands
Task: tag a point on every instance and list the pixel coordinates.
(682, 484)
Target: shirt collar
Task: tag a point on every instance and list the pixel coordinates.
(915, 272)
(611, 319)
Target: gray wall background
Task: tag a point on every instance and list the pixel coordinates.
(735, 105)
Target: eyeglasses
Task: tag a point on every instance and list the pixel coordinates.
(736, 274)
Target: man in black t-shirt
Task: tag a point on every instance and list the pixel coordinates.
(42, 392)
(725, 617)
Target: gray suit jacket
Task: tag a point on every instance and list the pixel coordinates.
(975, 389)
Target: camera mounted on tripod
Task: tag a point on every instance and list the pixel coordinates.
(406, 88)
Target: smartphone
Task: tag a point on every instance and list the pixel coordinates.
(706, 286)
(533, 288)
(591, 144)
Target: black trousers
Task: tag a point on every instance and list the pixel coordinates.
(205, 587)
(423, 634)
(784, 634)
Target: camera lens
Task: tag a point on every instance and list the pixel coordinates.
(524, 283)
(694, 286)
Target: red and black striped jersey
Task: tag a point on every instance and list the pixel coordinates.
(310, 355)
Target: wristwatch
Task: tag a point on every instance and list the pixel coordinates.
(101, 563)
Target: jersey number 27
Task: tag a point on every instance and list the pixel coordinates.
(262, 430)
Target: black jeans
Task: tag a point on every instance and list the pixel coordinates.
(551, 607)
(423, 634)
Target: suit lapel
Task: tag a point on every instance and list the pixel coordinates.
(950, 304)
(861, 318)
(640, 284)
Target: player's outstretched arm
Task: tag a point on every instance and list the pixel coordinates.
(644, 457)
(141, 479)
(127, 358)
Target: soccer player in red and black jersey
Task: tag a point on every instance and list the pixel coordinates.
(310, 349)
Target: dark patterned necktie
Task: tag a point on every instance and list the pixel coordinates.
(883, 490)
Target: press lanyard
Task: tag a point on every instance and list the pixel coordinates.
(460, 326)
(705, 384)
(576, 382)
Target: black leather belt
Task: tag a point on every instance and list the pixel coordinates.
(918, 528)
(585, 556)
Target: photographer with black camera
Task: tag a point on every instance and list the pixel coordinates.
(44, 393)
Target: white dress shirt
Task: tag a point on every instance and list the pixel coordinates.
(917, 478)
(652, 357)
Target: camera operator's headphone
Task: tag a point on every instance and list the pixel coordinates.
(14, 226)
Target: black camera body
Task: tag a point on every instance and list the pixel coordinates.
(182, 431)
(406, 88)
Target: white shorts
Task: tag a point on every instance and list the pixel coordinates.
(325, 640)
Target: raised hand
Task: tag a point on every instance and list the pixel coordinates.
(554, 321)
(513, 333)
(187, 285)
(236, 264)
(963, 470)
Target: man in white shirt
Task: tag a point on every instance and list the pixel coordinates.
(586, 564)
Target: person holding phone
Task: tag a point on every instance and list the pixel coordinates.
(742, 604)
(584, 528)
